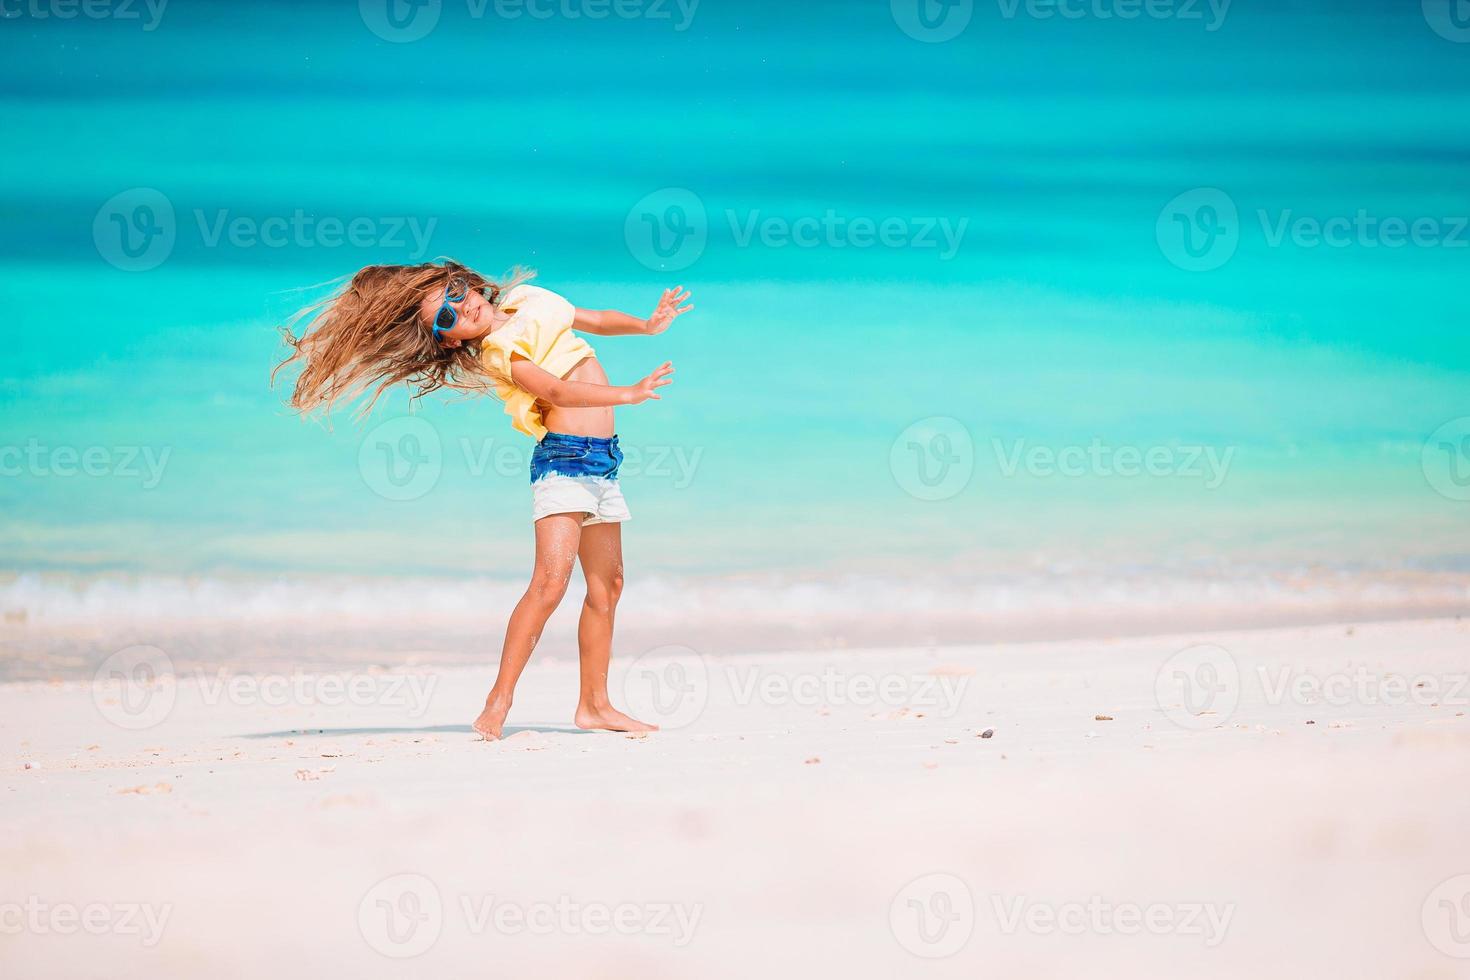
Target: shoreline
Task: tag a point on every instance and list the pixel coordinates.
(324, 652)
(67, 631)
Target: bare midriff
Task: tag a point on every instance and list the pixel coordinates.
(580, 421)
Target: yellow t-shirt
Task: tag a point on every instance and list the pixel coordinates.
(540, 330)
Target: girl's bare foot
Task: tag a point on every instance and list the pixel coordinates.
(492, 719)
(607, 718)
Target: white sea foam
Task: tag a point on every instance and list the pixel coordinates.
(338, 602)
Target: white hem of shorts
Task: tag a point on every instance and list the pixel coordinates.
(599, 498)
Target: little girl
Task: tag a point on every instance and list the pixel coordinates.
(443, 325)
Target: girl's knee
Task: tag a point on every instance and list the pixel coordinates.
(547, 587)
(603, 592)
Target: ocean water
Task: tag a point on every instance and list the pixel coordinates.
(1002, 308)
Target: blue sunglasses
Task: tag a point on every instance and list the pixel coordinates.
(448, 316)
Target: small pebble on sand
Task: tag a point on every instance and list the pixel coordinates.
(987, 733)
(1102, 717)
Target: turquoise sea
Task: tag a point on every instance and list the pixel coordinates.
(1003, 309)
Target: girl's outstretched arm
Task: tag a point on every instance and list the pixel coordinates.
(584, 394)
(611, 323)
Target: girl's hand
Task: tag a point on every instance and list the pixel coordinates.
(644, 390)
(666, 310)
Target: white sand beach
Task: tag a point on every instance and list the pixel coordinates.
(1286, 802)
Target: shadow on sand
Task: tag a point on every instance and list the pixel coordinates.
(421, 730)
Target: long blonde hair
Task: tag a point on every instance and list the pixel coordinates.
(368, 335)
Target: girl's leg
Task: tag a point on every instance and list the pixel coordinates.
(602, 563)
(557, 538)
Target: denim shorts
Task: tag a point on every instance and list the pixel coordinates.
(577, 475)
